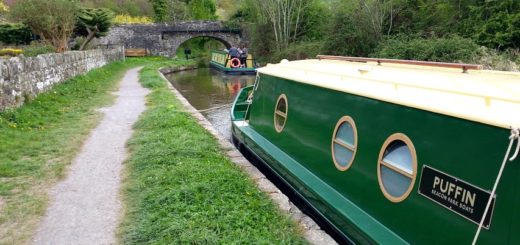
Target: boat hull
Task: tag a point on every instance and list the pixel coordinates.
(232, 71)
(352, 200)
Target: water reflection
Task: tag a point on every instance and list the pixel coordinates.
(211, 93)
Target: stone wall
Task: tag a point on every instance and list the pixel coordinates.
(23, 78)
(164, 39)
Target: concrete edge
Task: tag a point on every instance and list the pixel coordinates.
(311, 230)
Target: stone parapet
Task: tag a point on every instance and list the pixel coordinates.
(23, 78)
(164, 38)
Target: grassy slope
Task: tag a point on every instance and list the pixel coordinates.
(39, 140)
(180, 189)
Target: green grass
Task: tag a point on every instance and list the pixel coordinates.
(39, 140)
(181, 189)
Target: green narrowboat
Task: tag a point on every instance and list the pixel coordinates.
(221, 61)
(391, 151)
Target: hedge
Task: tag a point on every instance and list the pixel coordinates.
(15, 34)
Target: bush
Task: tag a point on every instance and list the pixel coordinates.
(15, 34)
(10, 52)
(37, 48)
(127, 19)
(449, 49)
(494, 60)
(350, 35)
(298, 51)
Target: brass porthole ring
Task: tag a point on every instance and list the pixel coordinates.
(344, 143)
(280, 113)
(397, 167)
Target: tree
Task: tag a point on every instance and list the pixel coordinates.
(203, 9)
(496, 24)
(52, 20)
(3, 11)
(160, 8)
(93, 23)
(284, 17)
(175, 10)
(126, 7)
(349, 34)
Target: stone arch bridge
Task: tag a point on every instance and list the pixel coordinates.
(164, 39)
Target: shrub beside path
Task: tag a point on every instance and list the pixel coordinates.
(85, 207)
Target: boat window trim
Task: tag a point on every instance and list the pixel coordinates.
(353, 149)
(277, 127)
(403, 138)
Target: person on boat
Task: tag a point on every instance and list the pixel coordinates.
(234, 53)
(243, 56)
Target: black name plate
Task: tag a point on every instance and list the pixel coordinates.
(457, 195)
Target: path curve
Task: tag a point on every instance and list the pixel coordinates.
(85, 207)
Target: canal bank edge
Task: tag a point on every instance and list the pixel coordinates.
(311, 231)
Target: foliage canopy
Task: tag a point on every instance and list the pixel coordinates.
(3, 11)
(178, 10)
(453, 30)
(52, 20)
(93, 23)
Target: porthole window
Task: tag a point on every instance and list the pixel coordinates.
(397, 167)
(280, 113)
(344, 143)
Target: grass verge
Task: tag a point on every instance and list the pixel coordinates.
(181, 189)
(39, 140)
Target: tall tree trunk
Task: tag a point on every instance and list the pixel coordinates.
(90, 36)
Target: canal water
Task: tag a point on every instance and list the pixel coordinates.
(212, 93)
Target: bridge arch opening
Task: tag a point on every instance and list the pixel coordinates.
(201, 46)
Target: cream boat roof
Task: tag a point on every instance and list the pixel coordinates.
(489, 97)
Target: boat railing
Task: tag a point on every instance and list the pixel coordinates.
(240, 108)
(379, 61)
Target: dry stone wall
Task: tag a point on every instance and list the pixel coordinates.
(23, 78)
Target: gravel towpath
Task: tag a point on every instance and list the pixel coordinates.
(85, 207)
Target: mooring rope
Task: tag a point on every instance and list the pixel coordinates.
(215, 108)
(515, 135)
(249, 99)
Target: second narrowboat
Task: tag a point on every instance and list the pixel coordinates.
(221, 61)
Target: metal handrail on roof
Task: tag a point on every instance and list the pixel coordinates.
(379, 61)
